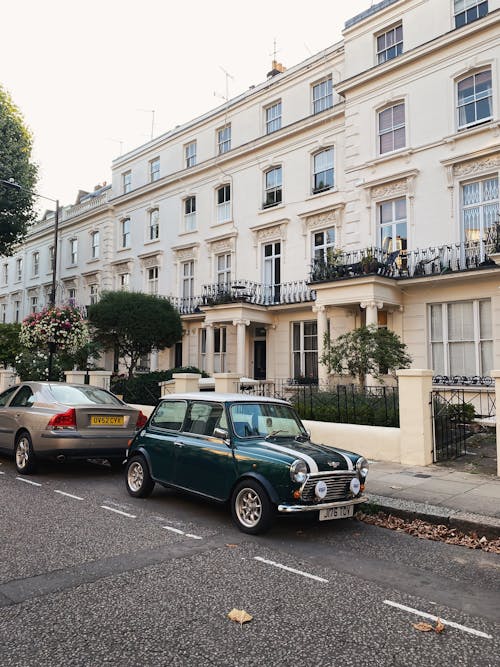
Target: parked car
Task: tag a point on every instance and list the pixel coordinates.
(252, 452)
(60, 421)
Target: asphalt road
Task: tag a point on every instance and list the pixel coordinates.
(90, 576)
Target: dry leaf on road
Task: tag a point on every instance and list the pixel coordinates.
(423, 627)
(439, 627)
(231, 546)
(239, 616)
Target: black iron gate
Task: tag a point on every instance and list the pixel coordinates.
(449, 429)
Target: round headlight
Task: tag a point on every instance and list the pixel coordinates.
(298, 471)
(321, 489)
(362, 466)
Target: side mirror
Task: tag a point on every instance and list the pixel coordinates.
(222, 434)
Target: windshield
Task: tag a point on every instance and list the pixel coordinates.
(266, 420)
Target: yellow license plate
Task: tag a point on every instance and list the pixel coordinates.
(105, 420)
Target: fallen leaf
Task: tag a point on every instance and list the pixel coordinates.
(231, 546)
(439, 627)
(423, 627)
(239, 616)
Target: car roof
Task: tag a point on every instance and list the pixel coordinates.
(224, 398)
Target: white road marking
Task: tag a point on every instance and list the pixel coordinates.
(28, 481)
(112, 509)
(181, 532)
(2, 473)
(174, 530)
(451, 624)
(69, 495)
(291, 569)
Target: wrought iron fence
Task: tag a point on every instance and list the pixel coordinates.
(449, 420)
(348, 404)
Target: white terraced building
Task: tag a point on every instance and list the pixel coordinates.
(256, 218)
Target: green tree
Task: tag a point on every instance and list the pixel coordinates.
(16, 205)
(366, 350)
(10, 345)
(134, 324)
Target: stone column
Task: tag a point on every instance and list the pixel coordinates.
(154, 360)
(100, 379)
(75, 377)
(496, 375)
(226, 383)
(415, 416)
(241, 357)
(372, 308)
(185, 383)
(209, 348)
(322, 330)
(7, 378)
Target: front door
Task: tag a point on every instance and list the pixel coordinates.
(259, 359)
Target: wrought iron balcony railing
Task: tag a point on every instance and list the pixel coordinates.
(245, 291)
(403, 264)
(248, 291)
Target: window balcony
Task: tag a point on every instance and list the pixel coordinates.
(405, 264)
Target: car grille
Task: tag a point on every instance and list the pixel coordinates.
(336, 482)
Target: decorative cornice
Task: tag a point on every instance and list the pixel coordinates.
(472, 167)
(326, 219)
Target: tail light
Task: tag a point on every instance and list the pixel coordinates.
(63, 420)
(141, 420)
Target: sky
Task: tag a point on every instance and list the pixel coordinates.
(87, 76)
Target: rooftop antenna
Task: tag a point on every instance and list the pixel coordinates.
(117, 141)
(228, 76)
(152, 112)
(275, 51)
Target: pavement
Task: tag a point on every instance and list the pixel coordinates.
(467, 501)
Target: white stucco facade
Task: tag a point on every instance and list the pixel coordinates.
(389, 140)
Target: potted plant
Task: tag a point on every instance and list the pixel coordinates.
(369, 263)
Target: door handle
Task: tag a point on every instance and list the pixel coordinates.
(179, 444)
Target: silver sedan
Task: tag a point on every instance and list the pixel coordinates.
(59, 421)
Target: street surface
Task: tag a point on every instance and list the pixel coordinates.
(91, 576)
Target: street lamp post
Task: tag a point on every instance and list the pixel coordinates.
(11, 183)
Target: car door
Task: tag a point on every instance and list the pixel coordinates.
(203, 463)
(160, 436)
(7, 422)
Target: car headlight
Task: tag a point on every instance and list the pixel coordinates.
(362, 466)
(298, 471)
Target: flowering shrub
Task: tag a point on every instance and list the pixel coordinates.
(34, 365)
(62, 325)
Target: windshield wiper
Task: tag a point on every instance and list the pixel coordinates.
(273, 433)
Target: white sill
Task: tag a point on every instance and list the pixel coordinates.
(268, 209)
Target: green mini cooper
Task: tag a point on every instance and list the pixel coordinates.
(252, 452)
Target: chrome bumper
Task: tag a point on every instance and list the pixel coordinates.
(287, 509)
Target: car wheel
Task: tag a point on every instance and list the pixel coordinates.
(137, 478)
(24, 455)
(251, 508)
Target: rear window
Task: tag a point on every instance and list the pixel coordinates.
(82, 395)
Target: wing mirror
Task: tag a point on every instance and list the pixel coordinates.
(223, 434)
